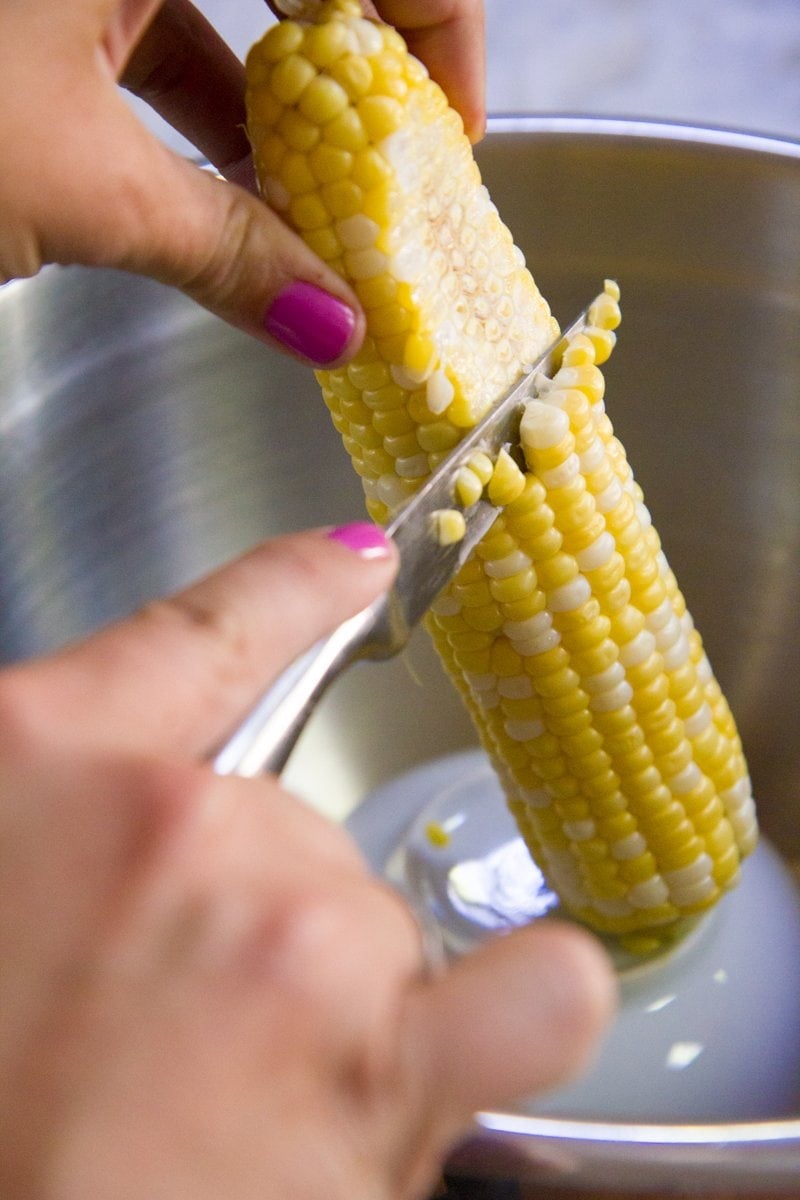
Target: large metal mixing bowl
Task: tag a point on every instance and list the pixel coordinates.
(143, 442)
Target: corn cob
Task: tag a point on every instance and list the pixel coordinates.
(565, 633)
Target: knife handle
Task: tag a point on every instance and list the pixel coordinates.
(267, 736)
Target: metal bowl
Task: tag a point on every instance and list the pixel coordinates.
(142, 443)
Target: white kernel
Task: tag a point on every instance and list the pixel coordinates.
(531, 627)
(580, 831)
(613, 698)
(649, 894)
(414, 466)
(515, 687)
(368, 35)
(597, 553)
(610, 497)
(698, 722)
(408, 380)
(357, 232)
(603, 681)
(593, 456)
(644, 515)
(703, 669)
(391, 491)
(677, 654)
(668, 633)
(488, 700)
(530, 647)
(738, 796)
(543, 425)
(563, 474)
(439, 392)
(570, 595)
(524, 731)
(685, 780)
(700, 868)
(511, 564)
(659, 616)
(639, 648)
(694, 893)
(628, 847)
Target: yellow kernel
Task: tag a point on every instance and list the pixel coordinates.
(379, 399)
(507, 480)
(484, 618)
(295, 174)
(469, 488)
(436, 438)
(472, 594)
(329, 163)
(370, 168)
(263, 108)
(323, 99)
(377, 291)
(281, 39)
(354, 74)
(323, 242)
(515, 588)
(290, 77)
(342, 197)
(419, 356)
(556, 571)
(449, 526)
(639, 869)
(346, 131)
(388, 319)
(380, 116)
(296, 131)
(271, 152)
(308, 212)
(326, 42)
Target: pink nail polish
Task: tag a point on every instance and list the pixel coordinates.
(311, 322)
(365, 539)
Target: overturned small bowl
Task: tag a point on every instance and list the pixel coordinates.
(143, 443)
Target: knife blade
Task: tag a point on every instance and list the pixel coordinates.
(265, 739)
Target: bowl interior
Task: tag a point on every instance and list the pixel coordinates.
(142, 442)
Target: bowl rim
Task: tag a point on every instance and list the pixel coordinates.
(724, 1147)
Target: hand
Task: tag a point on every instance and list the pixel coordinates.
(204, 992)
(83, 181)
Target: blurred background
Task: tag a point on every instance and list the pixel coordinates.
(730, 63)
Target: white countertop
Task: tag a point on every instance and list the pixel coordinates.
(733, 63)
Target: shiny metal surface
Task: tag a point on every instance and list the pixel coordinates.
(142, 443)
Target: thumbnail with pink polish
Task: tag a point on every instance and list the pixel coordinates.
(310, 321)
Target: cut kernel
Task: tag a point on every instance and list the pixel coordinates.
(565, 631)
(449, 526)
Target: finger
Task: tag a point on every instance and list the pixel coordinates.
(227, 250)
(449, 37)
(519, 1016)
(177, 676)
(185, 71)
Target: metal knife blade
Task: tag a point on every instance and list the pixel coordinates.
(265, 739)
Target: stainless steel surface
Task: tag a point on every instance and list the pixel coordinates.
(267, 736)
(142, 443)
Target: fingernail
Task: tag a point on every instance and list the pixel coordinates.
(311, 322)
(364, 538)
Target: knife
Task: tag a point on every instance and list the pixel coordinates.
(267, 736)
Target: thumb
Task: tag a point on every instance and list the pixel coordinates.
(229, 251)
(176, 677)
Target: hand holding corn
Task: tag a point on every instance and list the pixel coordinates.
(566, 633)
